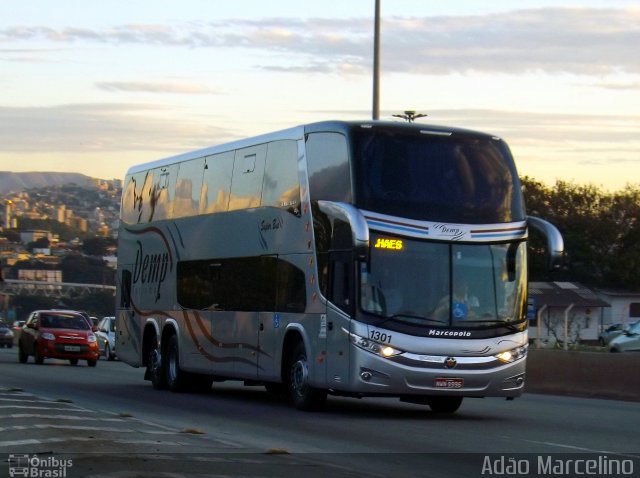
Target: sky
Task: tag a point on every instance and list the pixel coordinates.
(94, 86)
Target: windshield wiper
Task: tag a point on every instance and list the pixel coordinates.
(414, 319)
(510, 325)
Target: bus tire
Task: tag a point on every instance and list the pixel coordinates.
(303, 395)
(445, 404)
(155, 371)
(177, 380)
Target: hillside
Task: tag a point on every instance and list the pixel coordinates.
(21, 181)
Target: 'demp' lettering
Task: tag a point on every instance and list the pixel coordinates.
(150, 268)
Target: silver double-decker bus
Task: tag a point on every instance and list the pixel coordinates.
(346, 258)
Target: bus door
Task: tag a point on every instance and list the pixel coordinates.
(290, 303)
(340, 308)
(253, 325)
(128, 326)
(246, 346)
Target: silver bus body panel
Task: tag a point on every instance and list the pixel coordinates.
(249, 345)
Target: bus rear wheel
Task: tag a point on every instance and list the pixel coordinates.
(445, 404)
(303, 395)
(155, 371)
(176, 378)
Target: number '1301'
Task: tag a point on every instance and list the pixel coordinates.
(380, 336)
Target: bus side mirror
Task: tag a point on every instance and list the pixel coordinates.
(555, 243)
(352, 216)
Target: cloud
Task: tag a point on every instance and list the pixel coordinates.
(150, 87)
(633, 85)
(110, 128)
(584, 41)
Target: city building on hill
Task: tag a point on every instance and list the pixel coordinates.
(44, 275)
(32, 236)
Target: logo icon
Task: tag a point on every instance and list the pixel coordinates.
(18, 465)
(450, 362)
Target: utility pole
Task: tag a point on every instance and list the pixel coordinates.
(376, 63)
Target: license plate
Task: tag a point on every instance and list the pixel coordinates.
(72, 348)
(449, 382)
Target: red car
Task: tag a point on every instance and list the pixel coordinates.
(58, 334)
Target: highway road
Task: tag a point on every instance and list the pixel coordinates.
(110, 422)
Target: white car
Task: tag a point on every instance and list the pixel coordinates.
(107, 337)
(628, 341)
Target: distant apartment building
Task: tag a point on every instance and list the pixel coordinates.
(61, 213)
(34, 215)
(8, 214)
(103, 230)
(31, 236)
(80, 223)
(40, 275)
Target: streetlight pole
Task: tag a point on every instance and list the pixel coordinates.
(376, 63)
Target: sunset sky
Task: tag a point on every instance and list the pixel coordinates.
(94, 86)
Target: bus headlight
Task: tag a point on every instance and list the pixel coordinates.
(382, 350)
(512, 355)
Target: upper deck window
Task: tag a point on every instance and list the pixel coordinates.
(456, 178)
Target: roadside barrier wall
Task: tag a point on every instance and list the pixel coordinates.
(585, 374)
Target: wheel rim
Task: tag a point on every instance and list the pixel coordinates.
(300, 376)
(154, 364)
(173, 365)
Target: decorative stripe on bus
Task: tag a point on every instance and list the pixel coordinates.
(513, 231)
(444, 231)
(398, 226)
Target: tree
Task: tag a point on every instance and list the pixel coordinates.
(600, 230)
(42, 243)
(97, 246)
(86, 270)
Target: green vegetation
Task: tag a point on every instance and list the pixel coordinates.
(601, 232)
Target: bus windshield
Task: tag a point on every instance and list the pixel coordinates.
(446, 177)
(433, 284)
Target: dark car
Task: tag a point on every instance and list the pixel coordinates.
(6, 335)
(58, 334)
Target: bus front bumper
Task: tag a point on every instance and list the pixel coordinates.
(411, 374)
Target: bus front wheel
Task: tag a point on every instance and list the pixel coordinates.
(303, 395)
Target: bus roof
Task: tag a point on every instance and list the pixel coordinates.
(297, 133)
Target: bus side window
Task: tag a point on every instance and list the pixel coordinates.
(291, 294)
(248, 175)
(341, 280)
(186, 201)
(216, 185)
(328, 167)
(281, 186)
(132, 199)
